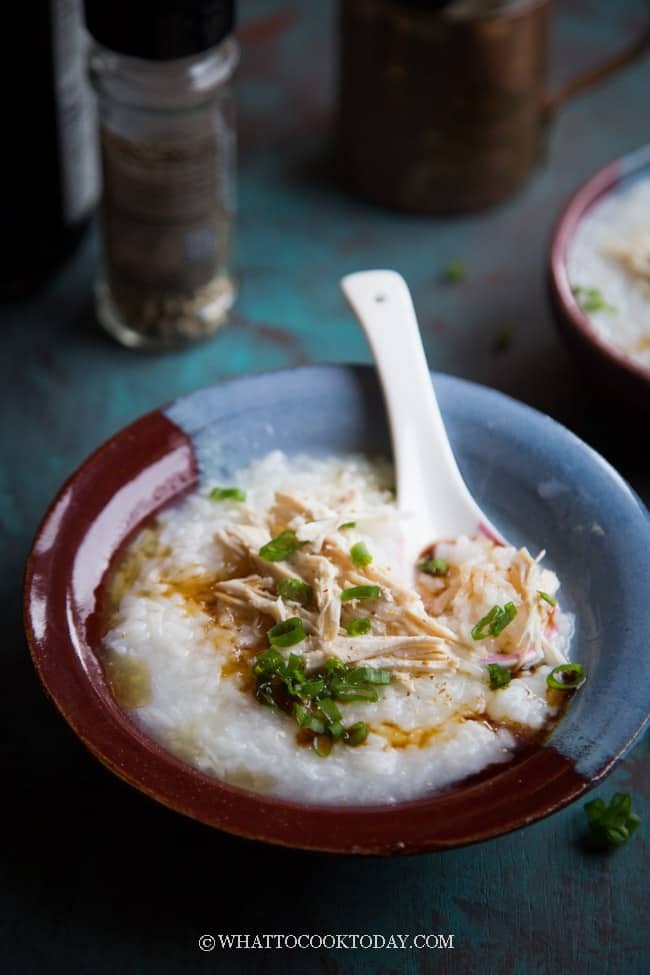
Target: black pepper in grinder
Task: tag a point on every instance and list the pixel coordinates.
(162, 72)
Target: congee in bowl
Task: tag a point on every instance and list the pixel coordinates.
(266, 632)
(608, 264)
(216, 603)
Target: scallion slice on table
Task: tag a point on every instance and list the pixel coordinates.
(227, 494)
(360, 592)
(494, 622)
(281, 547)
(503, 339)
(566, 677)
(614, 823)
(454, 272)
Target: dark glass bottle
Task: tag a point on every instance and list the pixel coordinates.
(49, 166)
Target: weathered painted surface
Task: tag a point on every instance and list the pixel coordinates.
(97, 879)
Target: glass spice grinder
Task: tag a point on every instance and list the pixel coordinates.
(162, 73)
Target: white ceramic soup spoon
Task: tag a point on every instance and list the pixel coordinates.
(430, 487)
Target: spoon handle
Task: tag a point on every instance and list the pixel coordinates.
(428, 480)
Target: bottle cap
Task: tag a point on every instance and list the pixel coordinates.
(159, 30)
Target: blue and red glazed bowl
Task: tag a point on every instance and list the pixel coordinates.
(541, 486)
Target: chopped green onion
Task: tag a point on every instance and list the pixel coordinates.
(322, 745)
(336, 729)
(311, 688)
(347, 524)
(356, 734)
(227, 494)
(369, 675)
(268, 662)
(499, 676)
(334, 666)
(359, 627)
(264, 694)
(295, 591)
(485, 621)
(343, 691)
(507, 615)
(287, 633)
(329, 709)
(591, 299)
(282, 685)
(300, 714)
(494, 622)
(547, 599)
(433, 567)
(569, 677)
(614, 823)
(361, 592)
(454, 272)
(307, 720)
(503, 339)
(360, 555)
(294, 666)
(281, 547)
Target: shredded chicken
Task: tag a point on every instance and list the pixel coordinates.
(396, 648)
(409, 636)
(258, 592)
(633, 256)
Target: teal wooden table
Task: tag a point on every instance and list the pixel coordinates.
(98, 879)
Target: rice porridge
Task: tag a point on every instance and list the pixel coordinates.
(263, 633)
(609, 269)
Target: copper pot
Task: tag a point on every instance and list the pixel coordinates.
(443, 107)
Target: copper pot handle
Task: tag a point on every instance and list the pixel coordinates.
(599, 72)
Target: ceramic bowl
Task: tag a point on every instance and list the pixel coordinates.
(608, 367)
(541, 485)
